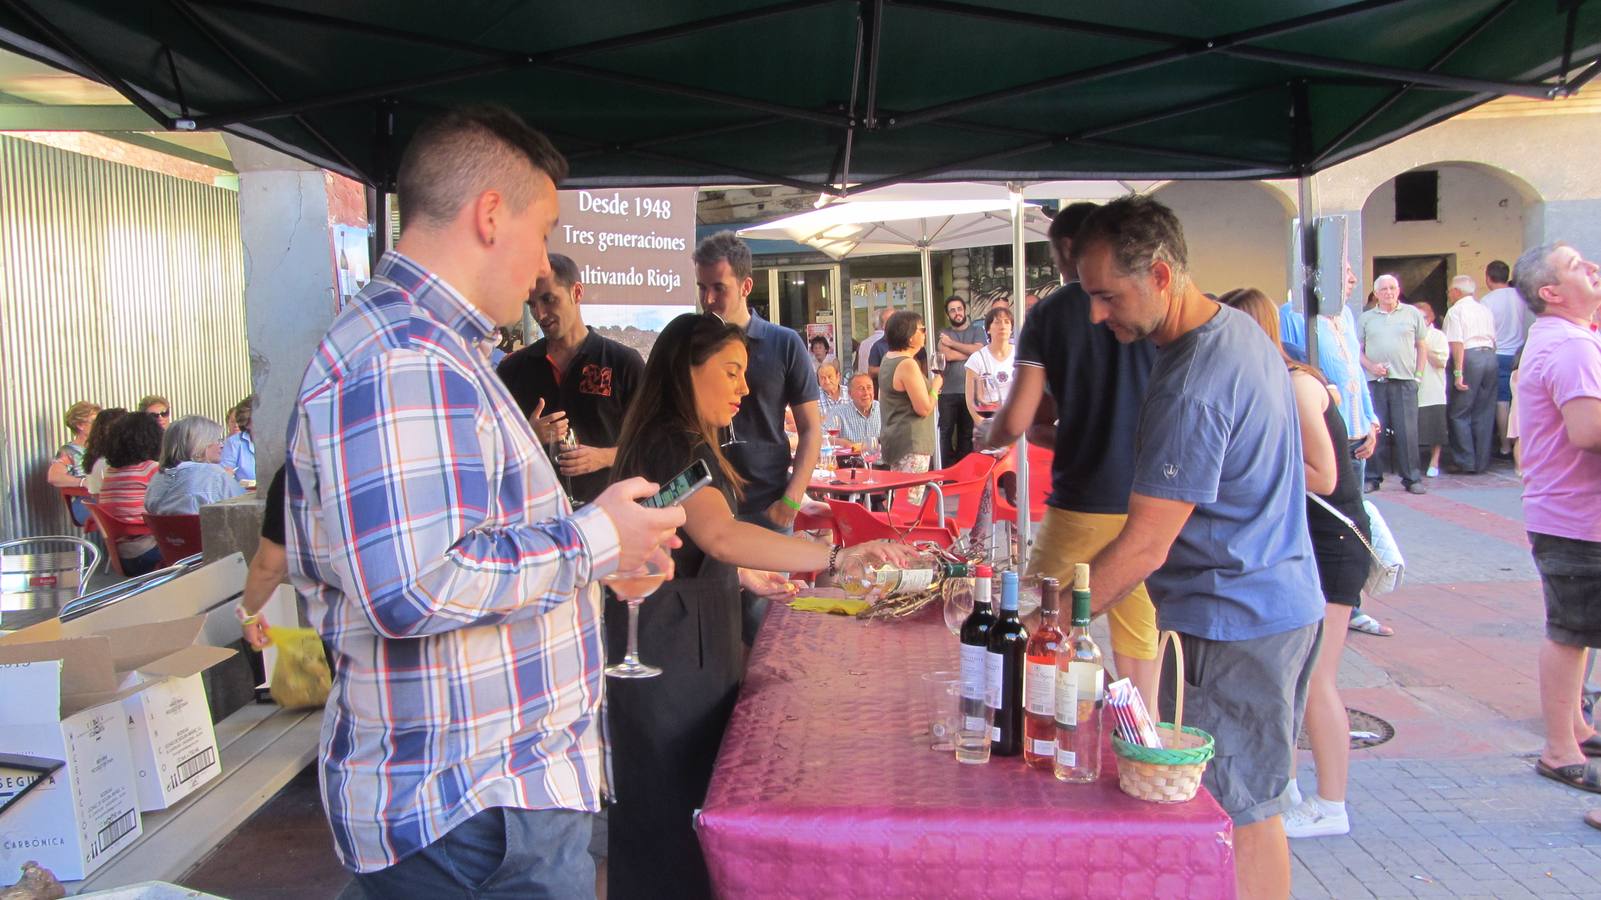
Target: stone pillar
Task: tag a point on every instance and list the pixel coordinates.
(290, 282)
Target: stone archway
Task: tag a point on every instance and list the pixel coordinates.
(1484, 213)
(1238, 233)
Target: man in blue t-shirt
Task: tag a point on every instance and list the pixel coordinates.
(1216, 521)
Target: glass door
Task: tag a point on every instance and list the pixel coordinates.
(806, 300)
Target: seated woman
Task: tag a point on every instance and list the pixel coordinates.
(131, 452)
(66, 469)
(665, 730)
(94, 448)
(989, 369)
(906, 399)
(239, 448)
(157, 406)
(190, 476)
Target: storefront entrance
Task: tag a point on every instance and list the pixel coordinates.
(802, 298)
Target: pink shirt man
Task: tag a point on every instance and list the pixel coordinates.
(1561, 483)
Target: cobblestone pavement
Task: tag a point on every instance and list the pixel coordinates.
(1452, 806)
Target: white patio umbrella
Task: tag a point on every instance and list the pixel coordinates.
(928, 217)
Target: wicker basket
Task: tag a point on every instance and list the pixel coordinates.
(1171, 774)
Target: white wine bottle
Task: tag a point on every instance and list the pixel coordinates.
(1080, 690)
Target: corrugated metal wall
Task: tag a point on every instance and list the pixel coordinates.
(115, 282)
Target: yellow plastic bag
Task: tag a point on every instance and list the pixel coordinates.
(839, 606)
(300, 677)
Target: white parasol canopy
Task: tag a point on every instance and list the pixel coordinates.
(922, 218)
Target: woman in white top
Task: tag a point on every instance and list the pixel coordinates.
(94, 448)
(989, 371)
(1431, 391)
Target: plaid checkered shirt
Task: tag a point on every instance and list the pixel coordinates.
(431, 546)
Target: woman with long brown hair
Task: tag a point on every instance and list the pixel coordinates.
(665, 730)
(1342, 562)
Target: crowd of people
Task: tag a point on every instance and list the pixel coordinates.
(131, 464)
(1211, 478)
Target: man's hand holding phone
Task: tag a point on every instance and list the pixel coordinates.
(643, 533)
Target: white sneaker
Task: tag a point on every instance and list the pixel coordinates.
(1313, 819)
(1294, 793)
(1434, 472)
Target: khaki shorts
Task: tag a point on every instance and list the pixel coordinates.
(1066, 538)
(1250, 696)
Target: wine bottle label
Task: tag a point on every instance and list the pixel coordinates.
(1066, 699)
(972, 723)
(1039, 689)
(914, 580)
(1044, 748)
(1091, 680)
(1066, 758)
(995, 733)
(973, 675)
(992, 680)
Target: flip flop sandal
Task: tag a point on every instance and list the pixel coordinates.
(1593, 818)
(1583, 776)
(1591, 746)
(1368, 625)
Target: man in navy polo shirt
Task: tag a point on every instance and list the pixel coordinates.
(780, 374)
(573, 377)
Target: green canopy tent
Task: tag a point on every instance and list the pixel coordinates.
(828, 93)
(836, 96)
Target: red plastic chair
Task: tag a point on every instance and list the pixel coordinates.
(1039, 484)
(805, 521)
(68, 494)
(115, 531)
(964, 481)
(178, 536)
(855, 524)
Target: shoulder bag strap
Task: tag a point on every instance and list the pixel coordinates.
(1349, 524)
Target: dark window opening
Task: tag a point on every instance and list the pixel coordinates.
(1417, 196)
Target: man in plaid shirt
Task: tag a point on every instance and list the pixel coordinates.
(434, 551)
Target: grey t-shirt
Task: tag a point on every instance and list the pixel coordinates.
(1392, 338)
(1219, 429)
(955, 375)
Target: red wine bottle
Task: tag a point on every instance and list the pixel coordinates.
(1039, 682)
(1008, 642)
(975, 638)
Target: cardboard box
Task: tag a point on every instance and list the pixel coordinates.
(61, 700)
(76, 818)
(174, 744)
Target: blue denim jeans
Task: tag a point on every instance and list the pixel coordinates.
(501, 852)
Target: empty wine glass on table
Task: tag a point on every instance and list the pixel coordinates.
(632, 588)
(871, 454)
(958, 603)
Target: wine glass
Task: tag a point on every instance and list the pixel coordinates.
(568, 441)
(958, 603)
(632, 588)
(870, 455)
(733, 439)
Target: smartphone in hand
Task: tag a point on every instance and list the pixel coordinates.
(678, 489)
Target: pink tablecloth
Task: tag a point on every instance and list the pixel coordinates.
(825, 787)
